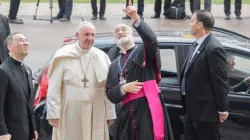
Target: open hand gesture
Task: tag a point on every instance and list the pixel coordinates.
(131, 11)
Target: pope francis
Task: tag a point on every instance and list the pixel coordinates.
(77, 106)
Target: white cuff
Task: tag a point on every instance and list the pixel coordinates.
(222, 112)
(122, 91)
(137, 22)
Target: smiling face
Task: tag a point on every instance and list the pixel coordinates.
(19, 46)
(86, 37)
(123, 36)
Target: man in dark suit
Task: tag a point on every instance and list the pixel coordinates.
(14, 6)
(17, 121)
(65, 10)
(227, 8)
(4, 32)
(95, 9)
(204, 83)
(157, 8)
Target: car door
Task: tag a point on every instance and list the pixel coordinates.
(237, 127)
(172, 58)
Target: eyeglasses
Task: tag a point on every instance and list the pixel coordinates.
(23, 40)
(123, 29)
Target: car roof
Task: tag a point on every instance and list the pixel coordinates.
(229, 39)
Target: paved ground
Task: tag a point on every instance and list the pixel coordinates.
(46, 38)
(112, 10)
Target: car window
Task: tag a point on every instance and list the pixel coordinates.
(168, 61)
(168, 67)
(238, 68)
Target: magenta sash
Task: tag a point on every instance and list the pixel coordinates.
(150, 90)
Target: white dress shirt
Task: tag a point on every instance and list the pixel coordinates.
(199, 41)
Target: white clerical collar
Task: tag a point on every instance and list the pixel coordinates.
(80, 50)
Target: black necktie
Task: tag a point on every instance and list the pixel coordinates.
(190, 55)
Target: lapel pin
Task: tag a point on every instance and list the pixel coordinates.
(198, 52)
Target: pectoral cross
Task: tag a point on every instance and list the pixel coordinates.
(122, 79)
(85, 80)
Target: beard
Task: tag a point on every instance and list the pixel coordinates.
(125, 42)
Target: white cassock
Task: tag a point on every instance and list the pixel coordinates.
(82, 111)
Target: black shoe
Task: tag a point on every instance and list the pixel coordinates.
(156, 16)
(64, 19)
(15, 21)
(57, 17)
(126, 17)
(19, 19)
(227, 17)
(94, 17)
(102, 17)
(141, 17)
(239, 17)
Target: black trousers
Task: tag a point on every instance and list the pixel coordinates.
(227, 7)
(65, 7)
(158, 3)
(196, 5)
(140, 8)
(201, 131)
(14, 6)
(102, 7)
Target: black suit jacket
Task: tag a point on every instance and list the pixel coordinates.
(16, 106)
(4, 33)
(206, 82)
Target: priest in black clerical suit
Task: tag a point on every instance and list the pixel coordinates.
(17, 121)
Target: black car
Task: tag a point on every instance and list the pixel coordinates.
(174, 47)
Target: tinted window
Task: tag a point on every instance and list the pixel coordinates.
(238, 68)
(168, 60)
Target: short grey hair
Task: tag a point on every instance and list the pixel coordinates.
(85, 24)
(9, 40)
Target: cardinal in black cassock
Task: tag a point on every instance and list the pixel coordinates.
(132, 81)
